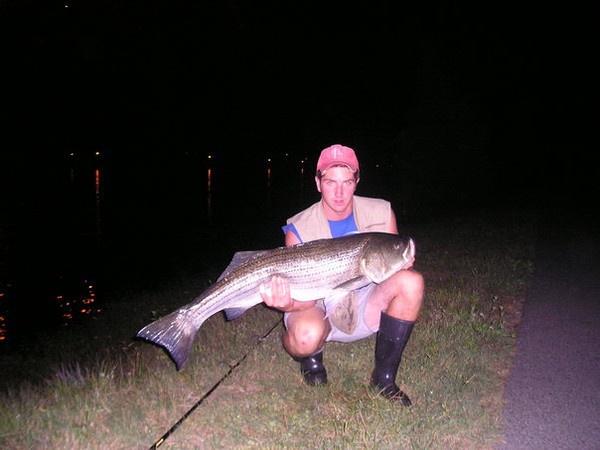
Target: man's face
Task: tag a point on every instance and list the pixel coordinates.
(337, 187)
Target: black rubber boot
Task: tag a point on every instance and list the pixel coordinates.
(391, 339)
(313, 370)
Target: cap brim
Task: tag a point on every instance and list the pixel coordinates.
(338, 164)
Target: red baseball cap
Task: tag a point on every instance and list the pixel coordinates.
(337, 155)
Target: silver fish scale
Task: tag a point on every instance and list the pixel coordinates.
(313, 270)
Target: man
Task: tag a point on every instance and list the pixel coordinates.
(389, 309)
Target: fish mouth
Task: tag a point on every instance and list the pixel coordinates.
(409, 253)
(410, 249)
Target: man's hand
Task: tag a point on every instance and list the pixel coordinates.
(277, 293)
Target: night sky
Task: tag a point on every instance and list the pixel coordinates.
(489, 98)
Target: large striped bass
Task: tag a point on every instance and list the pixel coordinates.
(321, 269)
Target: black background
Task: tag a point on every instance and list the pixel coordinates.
(467, 102)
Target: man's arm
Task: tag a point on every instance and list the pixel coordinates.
(291, 238)
(277, 293)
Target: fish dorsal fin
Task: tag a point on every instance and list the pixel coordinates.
(240, 258)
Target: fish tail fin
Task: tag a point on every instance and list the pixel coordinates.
(175, 333)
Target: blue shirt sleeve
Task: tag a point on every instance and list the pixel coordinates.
(291, 228)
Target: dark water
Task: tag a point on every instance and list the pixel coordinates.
(73, 231)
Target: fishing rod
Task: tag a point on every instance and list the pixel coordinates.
(171, 430)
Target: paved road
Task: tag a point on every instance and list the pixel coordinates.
(553, 391)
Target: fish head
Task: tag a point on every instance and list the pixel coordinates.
(385, 254)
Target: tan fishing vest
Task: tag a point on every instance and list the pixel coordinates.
(370, 214)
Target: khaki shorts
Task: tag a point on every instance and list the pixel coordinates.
(348, 320)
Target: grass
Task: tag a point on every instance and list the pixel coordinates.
(103, 389)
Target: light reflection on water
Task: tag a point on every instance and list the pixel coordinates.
(82, 305)
(208, 192)
(2, 328)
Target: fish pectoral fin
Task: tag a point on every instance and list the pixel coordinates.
(234, 313)
(340, 292)
(353, 283)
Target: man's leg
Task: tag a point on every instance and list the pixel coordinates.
(397, 302)
(392, 337)
(304, 340)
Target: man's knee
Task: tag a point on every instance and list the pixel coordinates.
(305, 337)
(408, 298)
(409, 277)
(410, 285)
